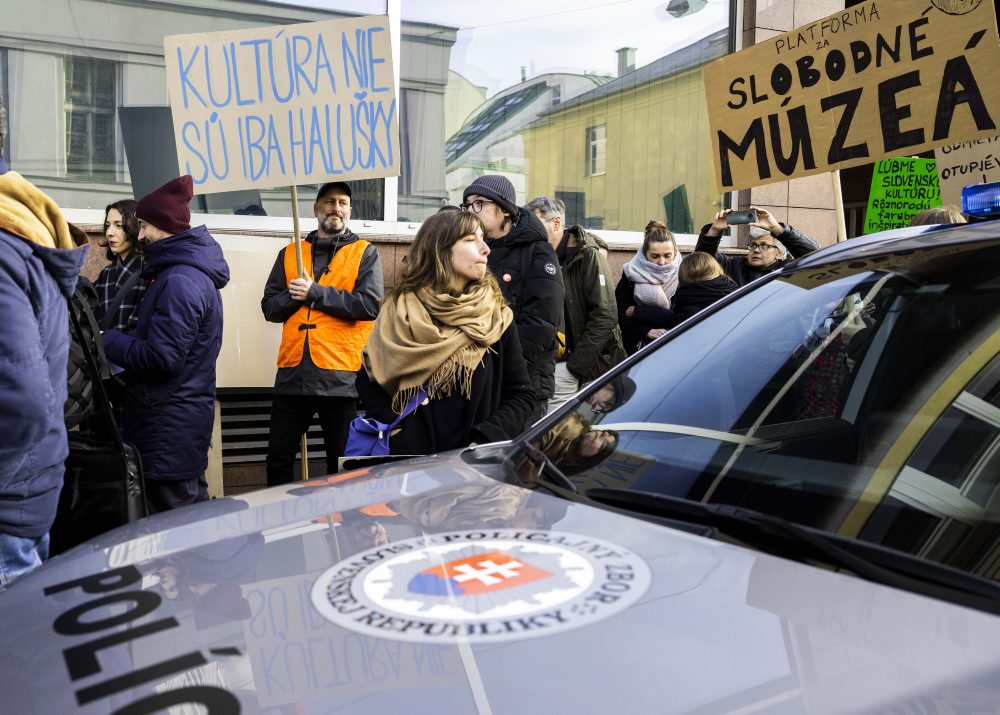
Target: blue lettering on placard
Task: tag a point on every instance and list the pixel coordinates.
(356, 59)
(256, 56)
(236, 77)
(372, 61)
(200, 178)
(208, 80)
(300, 142)
(340, 145)
(213, 120)
(185, 71)
(300, 61)
(288, 65)
(316, 139)
(253, 145)
(323, 62)
(354, 135)
(380, 117)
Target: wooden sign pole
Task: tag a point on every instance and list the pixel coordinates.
(302, 274)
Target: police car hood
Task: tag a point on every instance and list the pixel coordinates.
(425, 586)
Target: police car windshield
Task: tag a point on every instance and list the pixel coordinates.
(858, 397)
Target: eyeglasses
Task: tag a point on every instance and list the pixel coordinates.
(475, 206)
(602, 406)
(760, 246)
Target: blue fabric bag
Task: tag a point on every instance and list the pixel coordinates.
(367, 437)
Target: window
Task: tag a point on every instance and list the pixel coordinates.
(860, 397)
(90, 118)
(597, 146)
(5, 102)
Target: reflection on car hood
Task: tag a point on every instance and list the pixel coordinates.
(423, 586)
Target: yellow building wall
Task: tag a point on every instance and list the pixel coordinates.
(657, 138)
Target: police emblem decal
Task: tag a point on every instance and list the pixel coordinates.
(481, 586)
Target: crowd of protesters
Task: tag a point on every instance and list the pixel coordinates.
(499, 315)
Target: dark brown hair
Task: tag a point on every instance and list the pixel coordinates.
(657, 232)
(428, 264)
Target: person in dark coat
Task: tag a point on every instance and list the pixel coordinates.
(120, 285)
(169, 359)
(593, 342)
(39, 264)
(647, 286)
(527, 269)
(446, 332)
(772, 245)
(701, 282)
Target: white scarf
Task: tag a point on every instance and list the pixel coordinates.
(654, 285)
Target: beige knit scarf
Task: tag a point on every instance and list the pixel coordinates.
(433, 340)
(27, 212)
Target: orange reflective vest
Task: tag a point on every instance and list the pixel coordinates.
(334, 343)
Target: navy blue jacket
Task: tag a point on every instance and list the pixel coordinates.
(35, 283)
(170, 359)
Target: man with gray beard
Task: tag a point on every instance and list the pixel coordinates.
(327, 315)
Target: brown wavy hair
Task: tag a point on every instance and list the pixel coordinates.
(657, 232)
(428, 264)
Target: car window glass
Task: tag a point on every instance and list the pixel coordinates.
(812, 398)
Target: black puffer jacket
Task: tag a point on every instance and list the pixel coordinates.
(691, 298)
(739, 269)
(527, 269)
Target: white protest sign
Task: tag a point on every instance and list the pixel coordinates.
(284, 105)
(973, 162)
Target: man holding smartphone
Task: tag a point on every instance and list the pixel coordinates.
(772, 244)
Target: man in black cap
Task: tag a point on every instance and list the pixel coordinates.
(526, 267)
(328, 313)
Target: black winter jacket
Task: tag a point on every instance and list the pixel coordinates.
(502, 400)
(527, 269)
(739, 269)
(692, 298)
(643, 319)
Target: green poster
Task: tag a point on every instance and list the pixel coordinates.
(901, 188)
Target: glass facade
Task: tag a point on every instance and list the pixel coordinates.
(598, 103)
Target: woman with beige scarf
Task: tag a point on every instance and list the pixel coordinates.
(445, 330)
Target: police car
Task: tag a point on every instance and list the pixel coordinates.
(789, 504)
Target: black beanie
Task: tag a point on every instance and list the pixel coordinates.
(496, 188)
(167, 207)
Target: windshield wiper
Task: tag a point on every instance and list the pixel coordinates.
(787, 539)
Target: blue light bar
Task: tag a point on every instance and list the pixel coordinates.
(982, 200)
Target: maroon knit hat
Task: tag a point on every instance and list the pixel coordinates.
(167, 207)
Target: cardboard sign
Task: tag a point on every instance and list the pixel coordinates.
(959, 165)
(880, 79)
(284, 105)
(901, 188)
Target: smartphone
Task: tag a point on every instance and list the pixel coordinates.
(741, 216)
